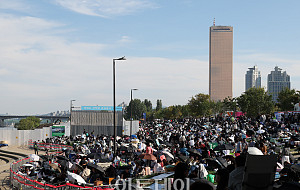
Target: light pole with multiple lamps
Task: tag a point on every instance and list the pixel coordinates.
(114, 100)
(131, 110)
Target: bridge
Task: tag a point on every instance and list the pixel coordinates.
(2, 117)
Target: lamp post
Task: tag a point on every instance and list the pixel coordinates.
(131, 111)
(71, 106)
(114, 100)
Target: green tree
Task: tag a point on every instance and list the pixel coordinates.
(185, 111)
(216, 107)
(255, 101)
(173, 112)
(158, 105)
(148, 105)
(29, 123)
(200, 105)
(229, 104)
(287, 99)
(138, 108)
(158, 114)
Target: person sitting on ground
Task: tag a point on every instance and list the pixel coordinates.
(237, 175)
(180, 175)
(157, 167)
(222, 177)
(193, 176)
(86, 172)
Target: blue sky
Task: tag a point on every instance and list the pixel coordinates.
(53, 51)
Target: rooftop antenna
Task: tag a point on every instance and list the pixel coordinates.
(214, 21)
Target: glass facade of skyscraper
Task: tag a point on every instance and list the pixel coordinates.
(252, 78)
(277, 81)
(220, 62)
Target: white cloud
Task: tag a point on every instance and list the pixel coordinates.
(106, 8)
(41, 72)
(125, 40)
(14, 5)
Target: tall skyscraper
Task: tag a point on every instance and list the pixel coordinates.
(278, 81)
(253, 78)
(220, 62)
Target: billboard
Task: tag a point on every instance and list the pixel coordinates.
(106, 108)
(58, 131)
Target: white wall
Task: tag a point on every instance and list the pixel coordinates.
(16, 137)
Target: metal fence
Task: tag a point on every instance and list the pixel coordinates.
(19, 181)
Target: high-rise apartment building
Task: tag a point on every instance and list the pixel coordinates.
(220, 62)
(278, 81)
(252, 78)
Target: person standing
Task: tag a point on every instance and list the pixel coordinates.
(149, 150)
(36, 148)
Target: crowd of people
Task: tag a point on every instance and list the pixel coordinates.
(211, 152)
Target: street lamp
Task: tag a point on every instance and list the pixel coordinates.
(114, 99)
(71, 106)
(131, 111)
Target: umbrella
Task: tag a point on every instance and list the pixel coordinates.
(194, 151)
(150, 141)
(34, 157)
(75, 178)
(55, 167)
(138, 153)
(183, 158)
(250, 132)
(128, 149)
(63, 163)
(168, 154)
(223, 147)
(222, 161)
(28, 165)
(131, 148)
(61, 157)
(260, 131)
(66, 150)
(147, 156)
(279, 167)
(45, 157)
(134, 136)
(122, 148)
(167, 143)
(103, 160)
(95, 156)
(99, 168)
(213, 163)
(295, 168)
(77, 167)
(254, 151)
